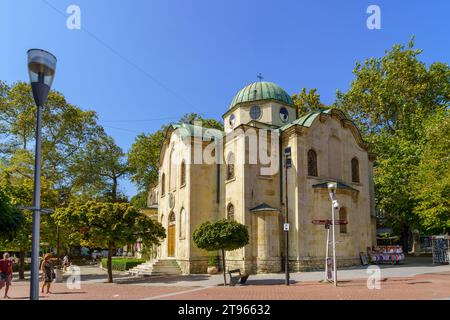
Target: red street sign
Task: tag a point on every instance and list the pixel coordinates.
(328, 222)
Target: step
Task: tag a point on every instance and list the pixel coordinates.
(156, 267)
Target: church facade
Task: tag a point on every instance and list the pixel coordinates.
(240, 174)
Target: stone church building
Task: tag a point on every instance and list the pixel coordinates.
(325, 146)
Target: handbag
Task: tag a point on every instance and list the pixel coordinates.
(3, 276)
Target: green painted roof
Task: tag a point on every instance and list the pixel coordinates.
(187, 130)
(261, 90)
(306, 120)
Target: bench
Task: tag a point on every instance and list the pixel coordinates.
(240, 279)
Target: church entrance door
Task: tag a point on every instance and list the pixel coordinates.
(171, 239)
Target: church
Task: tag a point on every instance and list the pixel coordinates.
(245, 179)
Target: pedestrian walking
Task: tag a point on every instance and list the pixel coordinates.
(66, 262)
(49, 273)
(6, 273)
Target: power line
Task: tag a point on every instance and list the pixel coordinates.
(142, 120)
(134, 65)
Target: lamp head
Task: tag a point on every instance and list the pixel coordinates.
(332, 187)
(41, 69)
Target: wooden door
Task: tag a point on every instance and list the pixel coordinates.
(171, 241)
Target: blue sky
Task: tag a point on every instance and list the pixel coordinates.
(141, 63)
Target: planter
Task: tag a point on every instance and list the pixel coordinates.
(213, 270)
(58, 275)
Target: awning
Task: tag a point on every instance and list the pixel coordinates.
(263, 207)
(340, 185)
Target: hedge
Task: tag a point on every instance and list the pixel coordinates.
(27, 267)
(123, 264)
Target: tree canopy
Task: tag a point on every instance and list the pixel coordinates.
(392, 100)
(109, 225)
(224, 235)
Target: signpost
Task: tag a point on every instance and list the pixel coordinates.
(328, 261)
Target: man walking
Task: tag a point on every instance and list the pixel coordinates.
(6, 273)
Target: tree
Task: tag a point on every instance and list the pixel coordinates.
(431, 182)
(306, 102)
(109, 225)
(16, 181)
(221, 235)
(65, 129)
(11, 218)
(139, 201)
(98, 168)
(390, 100)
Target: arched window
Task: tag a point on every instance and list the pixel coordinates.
(230, 212)
(163, 184)
(355, 170)
(230, 166)
(343, 216)
(312, 163)
(182, 224)
(183, 173)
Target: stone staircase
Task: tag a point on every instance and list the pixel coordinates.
(156, 267)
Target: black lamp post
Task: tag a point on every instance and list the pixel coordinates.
(41, 68)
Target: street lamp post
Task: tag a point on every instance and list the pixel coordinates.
(41, 69)
(287, 164)
(332, 188)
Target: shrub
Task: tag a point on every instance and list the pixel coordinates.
(213, 260)
(123, 264)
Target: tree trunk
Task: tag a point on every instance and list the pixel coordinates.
(223, 266)
(114, 190)
(404, 237)
(109, 263)
(21, 265)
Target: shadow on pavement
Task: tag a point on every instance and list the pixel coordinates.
(267, 282)
(163, 279)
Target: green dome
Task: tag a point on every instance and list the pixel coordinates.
(261, 90)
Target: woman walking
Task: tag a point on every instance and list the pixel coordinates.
(6, 273)
(49, 274)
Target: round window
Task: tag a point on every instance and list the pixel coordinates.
(284, 114)
(255, 112)
(232, 120)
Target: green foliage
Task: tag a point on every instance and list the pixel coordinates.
(391, 100)
(123, 264)
(109, 224)
(98, 168)
(306, 102)
(139, 201)
(143, 159)
(213, 260)
(431, 182)
(223, 234)
(65, 129)
(11, 219)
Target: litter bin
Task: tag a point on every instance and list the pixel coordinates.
(58, 275)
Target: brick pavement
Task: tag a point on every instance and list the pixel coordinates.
(424, 286)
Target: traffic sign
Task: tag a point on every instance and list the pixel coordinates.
(286, 227)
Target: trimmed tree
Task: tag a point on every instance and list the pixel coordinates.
(223, 235)
(109, 225)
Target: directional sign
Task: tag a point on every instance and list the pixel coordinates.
(328, 221)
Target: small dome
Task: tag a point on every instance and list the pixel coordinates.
(261, 90)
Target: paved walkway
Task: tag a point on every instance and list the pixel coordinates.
(418, 279)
